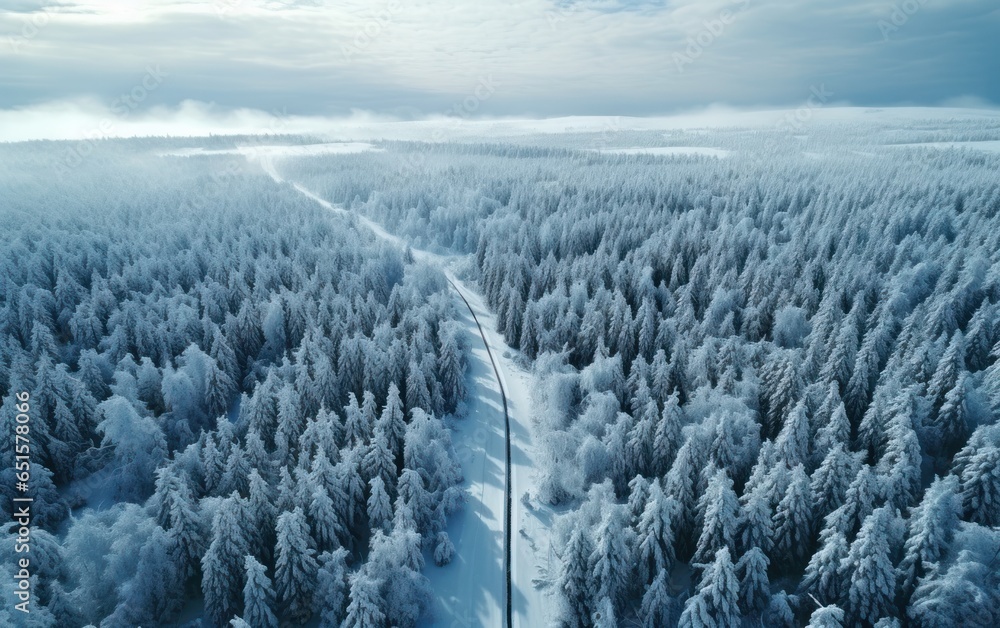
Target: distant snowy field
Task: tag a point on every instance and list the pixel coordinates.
(278, 150)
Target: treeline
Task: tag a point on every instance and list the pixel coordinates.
(769, 383)
(235, 393)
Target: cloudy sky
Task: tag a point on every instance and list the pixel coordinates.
(417, 58)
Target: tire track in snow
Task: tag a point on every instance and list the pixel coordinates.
(267, 164)
(507, 499)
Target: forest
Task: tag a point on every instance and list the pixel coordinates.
(768, 384)
(236, 399)
(765, 380)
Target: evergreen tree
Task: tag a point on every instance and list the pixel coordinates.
(780, 387)
(638, 495)
(829, 483)
(574, 583)
(655, 549)
(948, 371)
(667, 437)
(364, 610)
(823, 575)
(379, 461)
(356, 430)
(952, 421)
(859, 502)
(261, 515)
(931, 527)
(981, 487)
(295, 565)
(680, 484)
(327, 525)
(836, 431)
(611, 558)
(353, 486)
(258, 596)
(222, 565)
(657, 605)
(716, 601)
(779, 611)
(721, 517)
(756, 526)
(900, 466)
(236, 475)
(418, 394)
(604, 615)
(332, 588)
(379, 506)
(793, 520)
(451, 366)
(755, 588)
(792, 443)
(391, 421)
(868, 566)
(444, 549)
(831, 616)
(154, 593)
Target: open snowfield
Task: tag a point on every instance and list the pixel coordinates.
(276, 150)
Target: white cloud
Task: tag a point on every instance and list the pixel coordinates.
(602, 55)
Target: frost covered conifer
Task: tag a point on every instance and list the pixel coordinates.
(331, 588)
(574, 582)
(716, 602)
(869, 568)
(831, 616)
(755, 589)
(295, 565)
(931, 527)
(793, 520)
(223, 569)
(258, 596)
(611, 558)
(655, 548)
(364, 609)
(721, 517)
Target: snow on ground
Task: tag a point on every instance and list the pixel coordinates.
(471, 590)
(450, 128)
(282, 150)
(531, 555)
(666, 150)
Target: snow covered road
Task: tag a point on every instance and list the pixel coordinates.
(472, 589)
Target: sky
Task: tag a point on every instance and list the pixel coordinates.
(410, 59)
